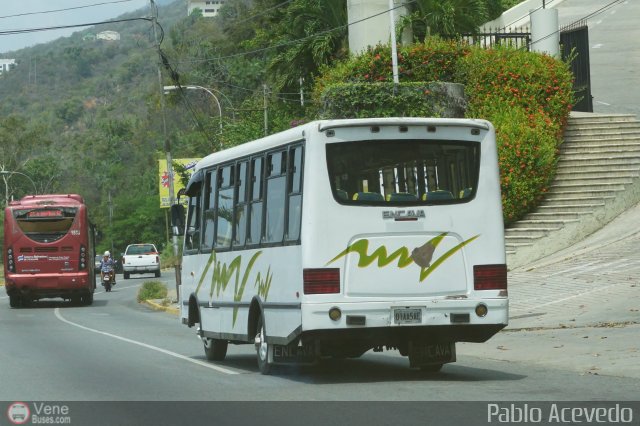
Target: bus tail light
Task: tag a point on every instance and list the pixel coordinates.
(321, 281)
(490, 277)
(83, 257)
(11, 265)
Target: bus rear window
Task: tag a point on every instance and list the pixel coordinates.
(45, 225)
(403, 172)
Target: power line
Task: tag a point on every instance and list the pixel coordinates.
(64, 10)
(522, 17)
(62, 27)
(292, 42)
(585, 18)
(264, 12)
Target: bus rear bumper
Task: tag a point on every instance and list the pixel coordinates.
(384, 323)
(49, 285)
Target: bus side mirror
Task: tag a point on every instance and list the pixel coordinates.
(177, 219)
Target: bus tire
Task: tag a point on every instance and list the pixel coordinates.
(157, 274)
(87, 299)
(215, 349)
(126, 275)
(15, 301)
(262, 348)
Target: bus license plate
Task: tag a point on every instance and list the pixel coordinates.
(407, 316)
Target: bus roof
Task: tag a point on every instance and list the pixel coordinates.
(48, 199)
(298, 133)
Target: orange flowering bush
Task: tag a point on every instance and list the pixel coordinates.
(528, 97)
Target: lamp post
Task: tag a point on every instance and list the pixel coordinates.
(7, 172)
(209, 91)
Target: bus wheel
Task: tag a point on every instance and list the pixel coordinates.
(215, 349)
(15, 301)
(262, 349)
(87, 299)
(126, 275)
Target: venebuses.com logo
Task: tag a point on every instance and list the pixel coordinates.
(18, 413)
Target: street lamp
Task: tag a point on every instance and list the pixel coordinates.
(7, 172)
(194, 87)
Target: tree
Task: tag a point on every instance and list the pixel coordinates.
(445, 17)
(313, 33)
(19, 144)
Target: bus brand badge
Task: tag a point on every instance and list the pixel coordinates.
(401, 215)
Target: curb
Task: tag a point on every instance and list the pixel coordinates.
(158, 307)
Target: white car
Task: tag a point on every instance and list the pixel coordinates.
(141, 259)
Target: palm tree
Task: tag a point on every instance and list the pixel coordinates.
(312, 33)
(446, 17)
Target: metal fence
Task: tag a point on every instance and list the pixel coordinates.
(518, 38)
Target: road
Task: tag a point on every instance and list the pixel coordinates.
(119, 350)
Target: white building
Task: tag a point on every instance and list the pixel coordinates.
(370, 23)
(209, 8)
(108, 35)
(6, 64)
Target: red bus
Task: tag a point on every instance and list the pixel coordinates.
(48, 249)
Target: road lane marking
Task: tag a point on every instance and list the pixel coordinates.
(145, 345)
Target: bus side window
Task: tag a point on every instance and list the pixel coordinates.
(275, 197)
(295, 194)
(224, 211)
(209, 193)
(192, 232)
(255, 201)
(240, 209)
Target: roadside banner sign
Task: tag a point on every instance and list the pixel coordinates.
(189, 165)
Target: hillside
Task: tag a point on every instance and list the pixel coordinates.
(81, 115)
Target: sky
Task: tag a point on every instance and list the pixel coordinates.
(84, 11)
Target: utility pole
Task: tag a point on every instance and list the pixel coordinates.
(167, 142)
(110, 205)
(264, 106)
(301, 92)
(394, 47)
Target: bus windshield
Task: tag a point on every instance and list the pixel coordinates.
(45, 225)
(403, 172)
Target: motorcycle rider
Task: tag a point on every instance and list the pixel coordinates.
(107, 265)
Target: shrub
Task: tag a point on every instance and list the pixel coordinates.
(362, 100)
(528, 97)
(152, 290)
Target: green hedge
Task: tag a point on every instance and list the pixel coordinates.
(361, 100)
(527, 96)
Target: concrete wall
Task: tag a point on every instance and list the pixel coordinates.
(369, 23)
(518, 16)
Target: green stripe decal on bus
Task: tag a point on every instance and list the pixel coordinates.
(223, 273)
(424, 272)
(421, 256)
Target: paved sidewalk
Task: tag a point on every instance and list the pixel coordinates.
(578, 309)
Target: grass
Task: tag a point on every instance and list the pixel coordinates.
(152, 290)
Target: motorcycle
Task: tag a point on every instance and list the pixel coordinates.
(109, 280)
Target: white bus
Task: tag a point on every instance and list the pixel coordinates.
(341, 236)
